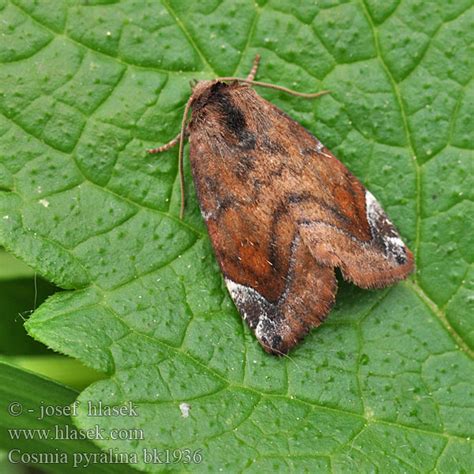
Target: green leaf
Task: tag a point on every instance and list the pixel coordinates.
(386, 383)
(12, 268)
(35, 425)
(20, 293)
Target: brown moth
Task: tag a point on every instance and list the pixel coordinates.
(282, 212)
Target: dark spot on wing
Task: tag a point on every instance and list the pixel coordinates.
(245, 165)
(272, 146)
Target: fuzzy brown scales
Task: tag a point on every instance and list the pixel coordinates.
(282, 212)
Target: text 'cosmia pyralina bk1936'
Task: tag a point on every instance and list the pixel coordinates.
(281, 210)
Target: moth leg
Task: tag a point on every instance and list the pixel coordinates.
(254, 69)
(168, 145)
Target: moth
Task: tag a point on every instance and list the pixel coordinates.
(281, 210)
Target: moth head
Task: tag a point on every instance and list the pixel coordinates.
(200, 88)
(203, 91)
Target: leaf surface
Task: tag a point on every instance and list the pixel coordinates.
(32, 431)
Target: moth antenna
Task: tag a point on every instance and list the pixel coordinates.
(274, 86)
(182, 134)
(166, 146)
(254, 69)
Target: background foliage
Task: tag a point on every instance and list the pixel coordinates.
(86, 87)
